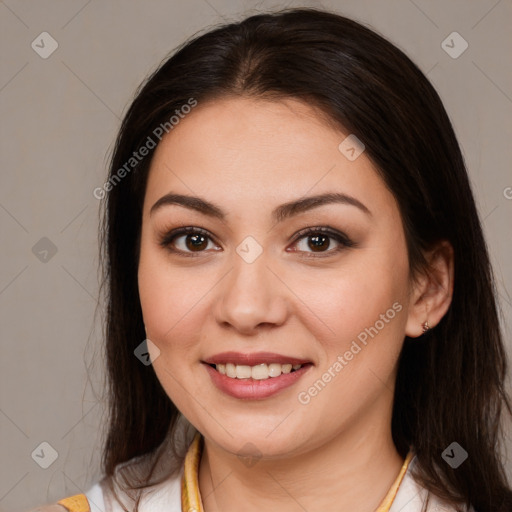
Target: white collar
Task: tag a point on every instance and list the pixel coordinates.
(166, 497)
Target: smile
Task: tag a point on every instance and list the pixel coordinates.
(254, 376)
(259, 372)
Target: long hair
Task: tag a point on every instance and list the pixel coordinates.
(450, 383)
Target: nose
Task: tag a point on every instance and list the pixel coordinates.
(251, 297)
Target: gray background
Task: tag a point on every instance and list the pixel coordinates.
(59, 117)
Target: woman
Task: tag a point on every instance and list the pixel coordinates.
(290, 229)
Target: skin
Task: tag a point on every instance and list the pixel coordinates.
(249, 156)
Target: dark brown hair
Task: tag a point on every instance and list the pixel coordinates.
(450, 382)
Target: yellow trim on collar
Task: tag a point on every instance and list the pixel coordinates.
(76, 503)
(390, 496)
(191, 497)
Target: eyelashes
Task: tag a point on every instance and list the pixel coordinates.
(325, 233)
(196, 235)
(201, 240)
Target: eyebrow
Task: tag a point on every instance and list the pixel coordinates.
(279, 213)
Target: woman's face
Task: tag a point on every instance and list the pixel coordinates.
(250, 290)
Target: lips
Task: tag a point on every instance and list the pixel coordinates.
(254, 359)
(254, 376)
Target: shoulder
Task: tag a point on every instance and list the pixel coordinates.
(412, 497)
(163, 496)
(75, 503)
(167, 471)
(92, 501)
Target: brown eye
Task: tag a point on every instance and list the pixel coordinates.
(196, 242)
(187, 240)
(320, 240)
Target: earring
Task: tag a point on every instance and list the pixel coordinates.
(426, 327)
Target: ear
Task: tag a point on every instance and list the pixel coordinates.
(432, 291)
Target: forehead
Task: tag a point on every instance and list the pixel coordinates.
(252, 151)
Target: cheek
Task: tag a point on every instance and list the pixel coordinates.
(366, 315)
(169, 304)
(166, 296)
(365, 309)
(175, 305)
(353, 297)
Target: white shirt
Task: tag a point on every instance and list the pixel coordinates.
(166, 497)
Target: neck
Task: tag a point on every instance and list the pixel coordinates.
(357, 467)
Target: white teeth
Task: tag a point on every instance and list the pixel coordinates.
(243, 372)
(231, 370)
(286, 368)
(259, 372)
(274, 370)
